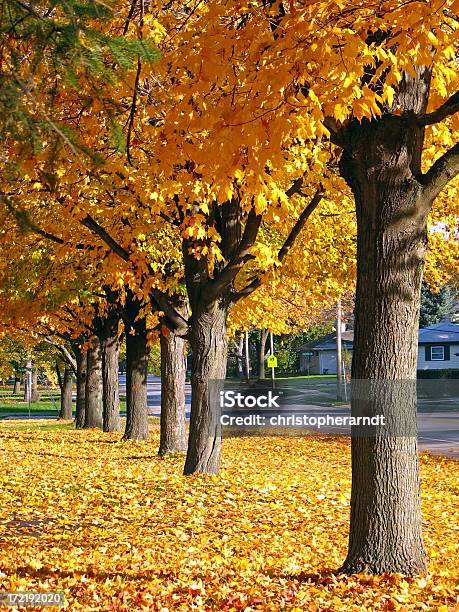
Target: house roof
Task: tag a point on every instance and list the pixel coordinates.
(440, 333)
(328, 342)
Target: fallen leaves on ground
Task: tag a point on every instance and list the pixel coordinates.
(117, 528)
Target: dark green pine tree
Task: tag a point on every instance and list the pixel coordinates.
(435, 306)
(70, 36)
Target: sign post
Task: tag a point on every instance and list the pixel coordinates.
(29, 383)
(339, 357)
(272, 360)
(308, 354)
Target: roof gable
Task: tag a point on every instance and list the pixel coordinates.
(440, 333)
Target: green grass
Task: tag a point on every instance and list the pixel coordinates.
(18, 405)
(312, 378)
(50, 425)
(31, 426)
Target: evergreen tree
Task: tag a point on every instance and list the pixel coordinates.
(48, 45)
(435, 306)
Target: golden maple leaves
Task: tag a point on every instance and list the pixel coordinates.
(117, 528)
(235, 111)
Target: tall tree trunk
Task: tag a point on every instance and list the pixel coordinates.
(247, 356)
(93, 395)
(261, 353)
(66, 395)
(17, 385)
(173, 371)
(209, 354)
(81, 364)
(110, 346)
(35, 394)
(136, 381)
(381, 164)
(240, 356)
(59, 376)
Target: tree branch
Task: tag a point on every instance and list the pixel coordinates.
(26, 224)
(160, 298)
(240, 257)
(71, 361)
(296, 229)
(295, 187)
(179, 322)
(94, 227)
(289, 242)
(441, 173)
(450, 107)
(336, 131)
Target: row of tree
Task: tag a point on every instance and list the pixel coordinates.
(220, 181)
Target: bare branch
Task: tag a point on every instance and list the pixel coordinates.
(71, 361)
(296, 229)
(94, 227)
(441, 173)
(289, 242)
(295, 187)
(450, 107)
(223, 280)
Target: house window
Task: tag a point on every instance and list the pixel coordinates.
(437, 353)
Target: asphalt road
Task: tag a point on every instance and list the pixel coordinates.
(438, 419)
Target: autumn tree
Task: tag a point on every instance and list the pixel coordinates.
(381, 86)
(239, 130)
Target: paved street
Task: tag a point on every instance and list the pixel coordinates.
(438, 419)
(154, 393)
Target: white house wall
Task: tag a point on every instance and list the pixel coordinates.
(328, 362)
(450, 364)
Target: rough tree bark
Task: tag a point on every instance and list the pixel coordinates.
(239, 352)
(66, 395)
(110, 346)
(136, 372)
(17, 385)
(210, 296)
(210, 301)
(261, 353)
(173, 371)
(81, 364)
(381, 163)
(93, 392)
(35, 396)
(208, 343)
(247, 366)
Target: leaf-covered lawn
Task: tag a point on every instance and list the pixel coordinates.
(117, 528)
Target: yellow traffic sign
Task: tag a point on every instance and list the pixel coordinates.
(272, 361)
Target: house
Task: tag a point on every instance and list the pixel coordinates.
(319, 356)
(438, 349)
